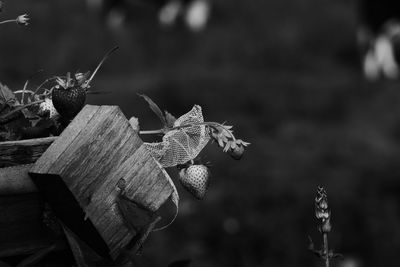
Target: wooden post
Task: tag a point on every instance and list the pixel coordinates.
(81, 174)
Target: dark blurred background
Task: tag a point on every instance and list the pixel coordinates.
(285, 74)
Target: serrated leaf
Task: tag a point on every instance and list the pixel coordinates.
(154, 107)
(6, 95)
(170, 119)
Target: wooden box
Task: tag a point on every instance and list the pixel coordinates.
(84, 171)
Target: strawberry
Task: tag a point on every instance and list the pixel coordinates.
(195, 179)
(47, 108)
(69, 95)
(236, 152)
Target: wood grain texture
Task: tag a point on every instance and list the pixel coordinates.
(66, 137)
(93, 155)
(23, 152)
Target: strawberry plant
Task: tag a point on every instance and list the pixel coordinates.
(184, 138)
(44, 110)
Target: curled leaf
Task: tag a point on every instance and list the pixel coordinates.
(154, 107)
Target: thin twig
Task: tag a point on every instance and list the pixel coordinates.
(43, 83)
(7, 21)
(326, 249)
(211, 124)
(100, 64)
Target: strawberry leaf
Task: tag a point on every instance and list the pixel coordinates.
(153, 106)
(6, 96)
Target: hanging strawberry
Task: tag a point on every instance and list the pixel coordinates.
(195, 179)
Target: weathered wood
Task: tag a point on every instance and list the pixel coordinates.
(97, 153)
(23, 152)
(66, 137)
(15, 180)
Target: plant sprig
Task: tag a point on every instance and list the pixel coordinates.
(323, 215)
(220, 133)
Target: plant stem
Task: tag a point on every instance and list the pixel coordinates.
(326, 249)
(151, 132)
(101, 63)
(211, 124)
(7, 21)
(43, 83)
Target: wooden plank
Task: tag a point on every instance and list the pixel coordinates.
(81, 150)
(115, 145)
(87, 169)
(15, 180)
(24, 151)
(156, 192)
(141, 184)
(67, 136)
